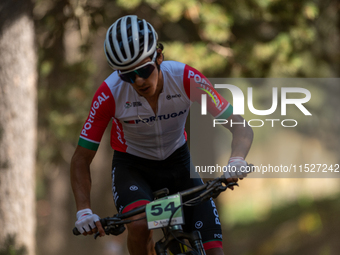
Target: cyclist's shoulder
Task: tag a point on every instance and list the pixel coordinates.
(112, 87)
(114, 84)
(113, 80)
(173, 67)
(183, 70)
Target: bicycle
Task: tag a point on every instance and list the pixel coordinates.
(157, 214)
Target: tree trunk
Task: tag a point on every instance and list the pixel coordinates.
(18, 117)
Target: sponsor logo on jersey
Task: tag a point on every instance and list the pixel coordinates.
(212, 97)
(133, 104)
(114, 191)
(133, 188)
(169, 97)
(118, 131)
(120, 208)
(128, 105)
(153, 118)
(130, 121)
(217, 236)
(206, 87)
(198, 224)
(95, 105)
(217, 219)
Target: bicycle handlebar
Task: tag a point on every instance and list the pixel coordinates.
(112, 221)
(117, 222)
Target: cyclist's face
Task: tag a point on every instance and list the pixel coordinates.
(147, 87)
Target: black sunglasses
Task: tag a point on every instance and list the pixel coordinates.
(143, 71)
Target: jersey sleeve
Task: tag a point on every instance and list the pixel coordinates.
(101, 112)
(196, 84)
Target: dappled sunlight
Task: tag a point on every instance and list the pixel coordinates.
(298, 215)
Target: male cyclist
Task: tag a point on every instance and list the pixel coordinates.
(148, 101)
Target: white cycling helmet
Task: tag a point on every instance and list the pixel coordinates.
(128, 41)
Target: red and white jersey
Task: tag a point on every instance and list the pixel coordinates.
(135, 128)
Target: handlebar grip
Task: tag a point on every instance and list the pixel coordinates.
(102, 221)
(76, 232)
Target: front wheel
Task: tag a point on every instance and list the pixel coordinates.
(178, 242)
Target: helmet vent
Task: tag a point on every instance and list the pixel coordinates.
(130, 36)
(119, 39)
(128, 41)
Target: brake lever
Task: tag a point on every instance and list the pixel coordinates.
(97, 234)
(112, 230)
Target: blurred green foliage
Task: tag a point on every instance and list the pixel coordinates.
(237, 39)
(246, 38)
(9, 246)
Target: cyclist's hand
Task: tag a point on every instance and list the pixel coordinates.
(236, 168)
(88, 223)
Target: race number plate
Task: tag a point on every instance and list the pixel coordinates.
(158, 212)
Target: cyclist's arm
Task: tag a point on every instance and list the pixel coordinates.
(242, 136)
(101, 112)
(81, 177)
(81, 182)
(195, 85)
